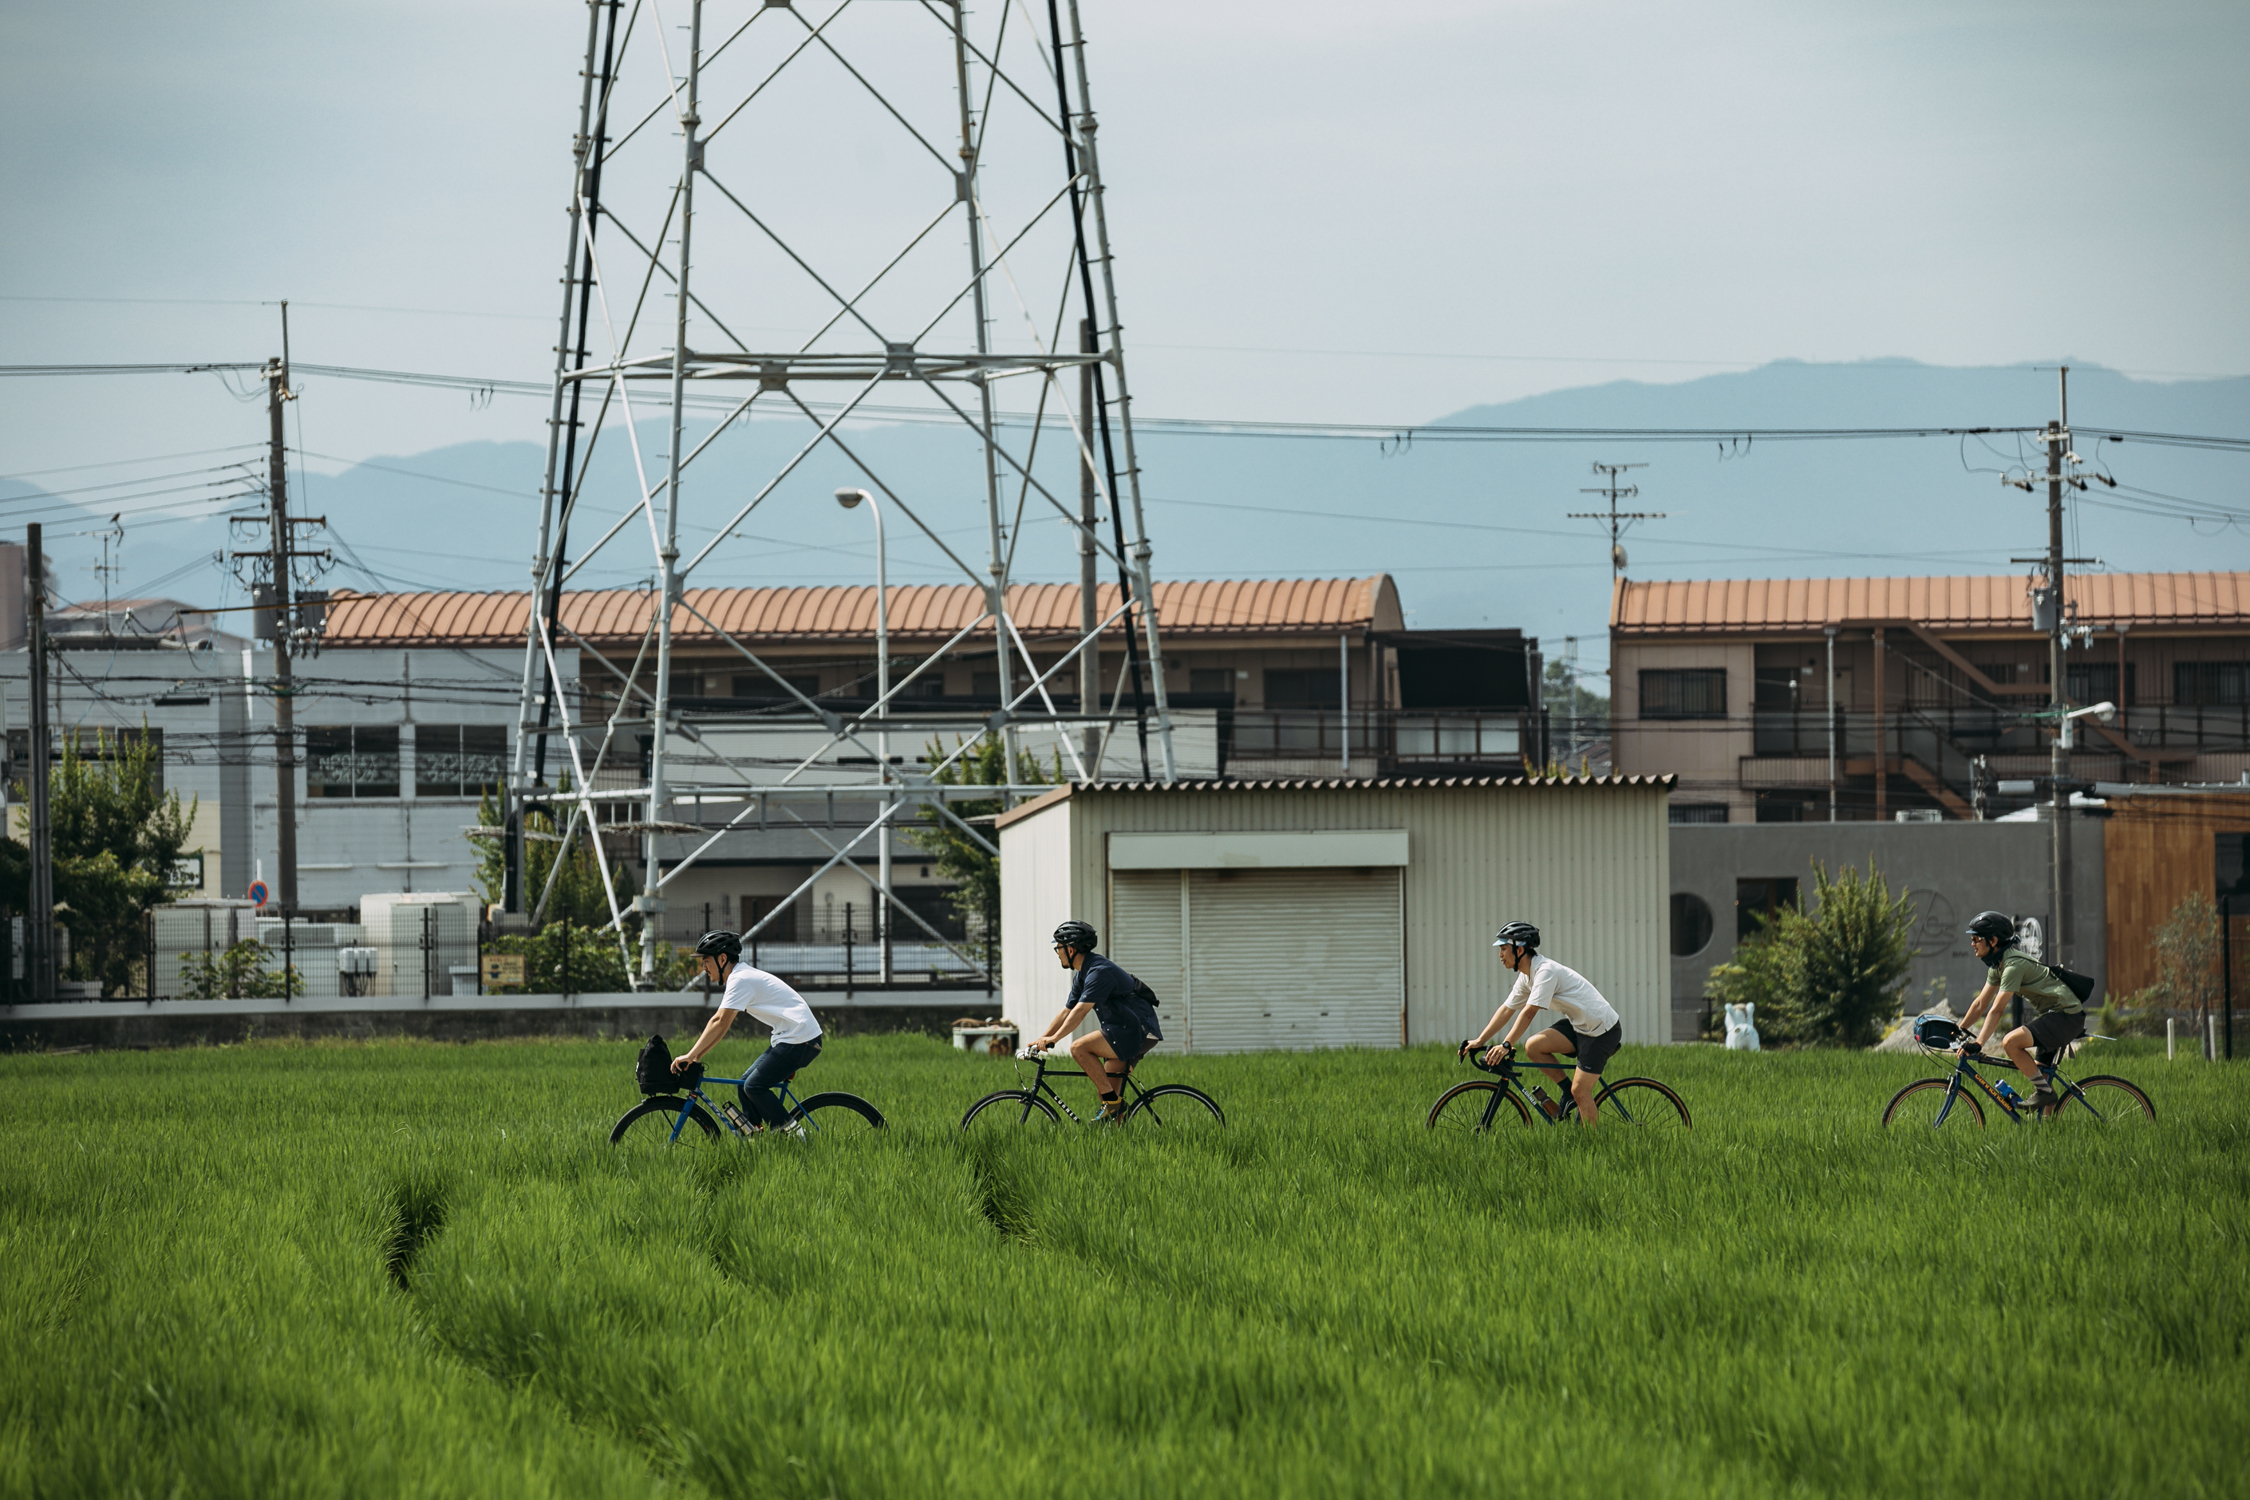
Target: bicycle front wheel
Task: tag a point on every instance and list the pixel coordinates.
(1007, 1108)
(1644, 1104)
(656, 1124)
(1177, 1109)
(2113, 1101)
(1923, 1102)
(838, 1114)
(1475, 1106)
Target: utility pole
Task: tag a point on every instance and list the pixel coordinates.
(1619, 522)
(1089, 578)
(284, 711)
(2058, 696)
(39, 924)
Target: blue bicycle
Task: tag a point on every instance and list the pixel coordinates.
(658, 1122)
(1930, 1102)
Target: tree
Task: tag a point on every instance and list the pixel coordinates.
(578, 895)
(974, 872)
(2187, 957)
(1832, 978)
(116, 842)
(1567, 697)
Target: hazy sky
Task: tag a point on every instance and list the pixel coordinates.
(1321, 210)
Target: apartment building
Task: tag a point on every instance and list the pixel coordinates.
(1775, 699)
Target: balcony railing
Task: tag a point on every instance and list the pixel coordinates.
(1402, 738)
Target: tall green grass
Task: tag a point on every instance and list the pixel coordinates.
(407, 1269)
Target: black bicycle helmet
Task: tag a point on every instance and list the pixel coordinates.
(1997, 925)
(1522, 934)
(1077, 934)
(717, 943)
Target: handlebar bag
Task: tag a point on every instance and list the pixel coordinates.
(652, 1070)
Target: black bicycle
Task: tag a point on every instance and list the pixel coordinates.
(1476, 1105)
(1933, 1101)
(1168, 1106)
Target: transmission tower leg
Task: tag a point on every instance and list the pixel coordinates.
(650, 906)
(1090, 164)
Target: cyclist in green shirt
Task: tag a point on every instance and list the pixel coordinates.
(2058, 1017)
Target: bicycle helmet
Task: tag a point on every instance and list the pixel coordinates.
(1077, 934)
(1997, 925)
(1522, 934)
(716, 943)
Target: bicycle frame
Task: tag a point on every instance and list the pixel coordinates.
(695, 1096)
(1127, 1086)
(1964, 1066)
(1511, 1077)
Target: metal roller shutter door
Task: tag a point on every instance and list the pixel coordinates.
(1145, 941)
(1295, 959)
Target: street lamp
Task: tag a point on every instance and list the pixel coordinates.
(2106, 712)
(849, 500)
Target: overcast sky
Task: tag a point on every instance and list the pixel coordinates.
(1322, 210)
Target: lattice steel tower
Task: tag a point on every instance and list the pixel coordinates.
(724, 182)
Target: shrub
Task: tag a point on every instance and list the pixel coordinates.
(2187, 957)
(242, 971)
(1830, 979)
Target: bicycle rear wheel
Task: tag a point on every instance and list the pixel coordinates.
(1644, 1104)
(838, 1114)
(1009, 1108)
(1923, 1103)
(2113, 1101)
(1177, 1110)
(1475, 1106)
(655, 1124)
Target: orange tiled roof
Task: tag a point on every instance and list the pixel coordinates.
(1757, 606)
(925, 612)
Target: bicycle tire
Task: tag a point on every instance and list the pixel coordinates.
(1035, 1110)
(1178, 1112)
(1464, 1107)
(838, 1113)
(1644, 1104)
(2113, 1101)
(659, 1113)
(1924, 1111)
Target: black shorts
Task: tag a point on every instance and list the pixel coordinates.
(2053, 1031)
(1130, 1043)
(1593, 1051)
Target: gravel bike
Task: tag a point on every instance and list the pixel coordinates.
(1477, 1104)
(659, 1121)
(1169, 1106)
(1933, 1101)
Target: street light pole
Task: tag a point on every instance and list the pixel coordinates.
(850, 499)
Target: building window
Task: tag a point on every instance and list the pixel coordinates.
(459, 760)
(1210, 680)
(986, 684)
(759, 685)
(1689, 693)
(1699, 812)
(351, 761)
(1303, 687)
(2211, 684)
(2096, 682)
(1756, 899)
(1691, 925)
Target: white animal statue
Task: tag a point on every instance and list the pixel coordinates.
(1742, 1029)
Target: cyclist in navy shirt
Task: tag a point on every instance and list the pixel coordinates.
(1122, 1005)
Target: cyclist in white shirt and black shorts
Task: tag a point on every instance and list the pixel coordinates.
(796, 1035)
(1586, 1031)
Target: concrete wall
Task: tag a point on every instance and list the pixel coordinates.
(1952, 870)
(1586, 861)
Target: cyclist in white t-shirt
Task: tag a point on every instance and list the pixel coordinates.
(1587, 1029)
(796, 1035)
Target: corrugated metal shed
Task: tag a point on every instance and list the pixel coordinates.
(1585, 858)
(1764, 606)
(918, 612)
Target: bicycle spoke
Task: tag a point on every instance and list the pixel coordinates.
(2112, 1101)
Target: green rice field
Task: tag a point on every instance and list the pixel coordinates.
(377, 1269)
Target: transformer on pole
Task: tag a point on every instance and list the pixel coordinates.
(769, 204)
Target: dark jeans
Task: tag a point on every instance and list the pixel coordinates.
(773, 1068)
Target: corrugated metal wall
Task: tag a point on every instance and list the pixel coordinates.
(1035, 898)
(1588, 863)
